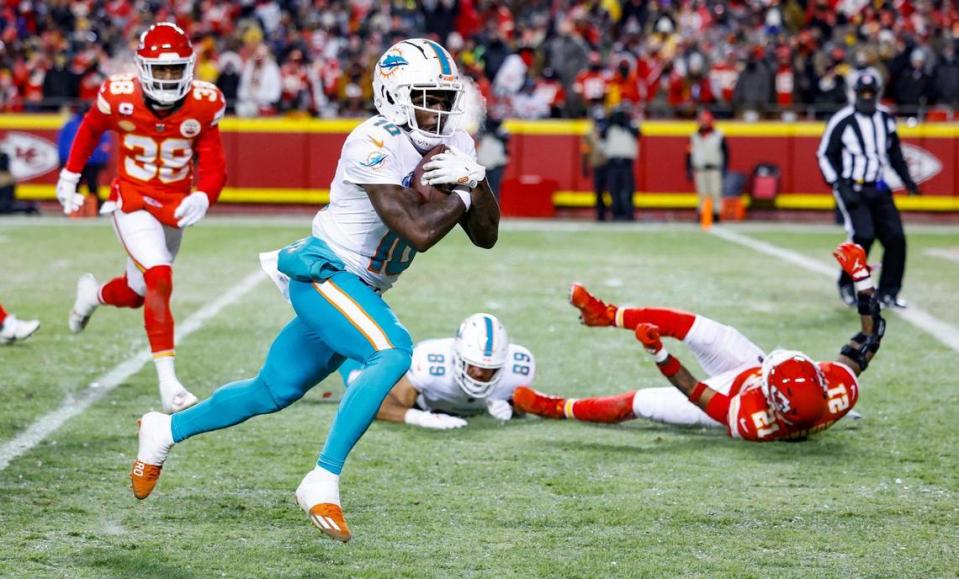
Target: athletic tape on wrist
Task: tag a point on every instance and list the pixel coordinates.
(864, 284)
(464, 196)
(660, 355)
(670, 367)
(697, 392)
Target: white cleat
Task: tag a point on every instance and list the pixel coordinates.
(155, 442)
(88, 299)
(14, 329)
(319, 495)
(179, 399)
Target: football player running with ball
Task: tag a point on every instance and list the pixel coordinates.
(475, 372)
(165, 123)
(362, 241)
(782, 396)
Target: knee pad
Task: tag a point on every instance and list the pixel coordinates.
(159, 280)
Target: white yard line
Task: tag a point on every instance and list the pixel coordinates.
(74, 406)
(947, 334)
(950, 254)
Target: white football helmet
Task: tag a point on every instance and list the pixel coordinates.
(164, 45)
(481, 341)
(401, 79)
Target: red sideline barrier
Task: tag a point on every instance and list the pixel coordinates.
(293, 161)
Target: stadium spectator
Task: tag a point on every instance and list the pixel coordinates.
(492, 152)
(260, 86)
(549, 89)
(947, 77)
(594, 160)
(707, 162)
(683, 54)
(914, 87)
(754, 88)
(621, 145)
(90, 176)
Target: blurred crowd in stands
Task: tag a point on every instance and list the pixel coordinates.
(529, 58)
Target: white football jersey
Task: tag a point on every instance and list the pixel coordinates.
(375, 153)
(431, 373)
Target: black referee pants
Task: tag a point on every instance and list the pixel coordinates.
(877, 217)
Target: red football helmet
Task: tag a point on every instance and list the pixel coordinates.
(795, 387)
(163, 49)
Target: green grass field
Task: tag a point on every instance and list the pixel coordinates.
(874, 497)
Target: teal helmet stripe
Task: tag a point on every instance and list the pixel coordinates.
(488, 351)
(441, 54)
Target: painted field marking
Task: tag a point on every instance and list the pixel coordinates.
(949, 254)
(947, 334)
(76, 405)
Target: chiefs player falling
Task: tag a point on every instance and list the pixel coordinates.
(166, 122)
(782, 396)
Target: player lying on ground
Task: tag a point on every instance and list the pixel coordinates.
(784, 395)
(165, 122)
(12, 329)
(335, 279)
(450, 378)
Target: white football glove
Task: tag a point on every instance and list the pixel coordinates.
(453, 167)
(67, 191)
(191, 209)
(422, 419)
(499, 409)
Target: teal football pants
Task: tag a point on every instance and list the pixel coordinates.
(336, 319)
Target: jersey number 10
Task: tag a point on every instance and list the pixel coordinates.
(393, 255)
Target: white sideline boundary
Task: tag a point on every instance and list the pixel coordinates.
(947, 334)
(76, 405)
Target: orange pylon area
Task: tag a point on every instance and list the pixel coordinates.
(706, 213)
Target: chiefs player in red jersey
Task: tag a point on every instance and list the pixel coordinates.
(169, 143)
(782, 396)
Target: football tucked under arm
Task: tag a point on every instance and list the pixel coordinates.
(429, 193)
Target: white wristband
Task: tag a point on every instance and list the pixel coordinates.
(661, 356)
(464, 195)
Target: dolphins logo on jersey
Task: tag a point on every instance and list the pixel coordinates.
(374, 160)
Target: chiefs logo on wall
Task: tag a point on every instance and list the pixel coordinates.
(923, 166)
(30, 156)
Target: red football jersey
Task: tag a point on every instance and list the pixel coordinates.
(156, 153)
(748, 415)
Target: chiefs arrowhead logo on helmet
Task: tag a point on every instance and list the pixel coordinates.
(795, 388)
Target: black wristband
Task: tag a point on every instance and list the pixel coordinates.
(867, 304)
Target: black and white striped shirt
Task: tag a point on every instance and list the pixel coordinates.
(857, 147)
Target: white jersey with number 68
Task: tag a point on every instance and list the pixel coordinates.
(375, 153)
(431, 373)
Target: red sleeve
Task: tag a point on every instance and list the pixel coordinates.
(211, 163)
(718, 408)
(94, 124)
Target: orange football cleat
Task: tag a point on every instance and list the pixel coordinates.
(155, 441)
(533, 402)
(329, 518)
(143, 478)
(592, 311)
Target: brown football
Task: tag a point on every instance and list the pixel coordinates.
(428, 193)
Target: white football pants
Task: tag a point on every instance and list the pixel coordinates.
(148, 243)
(722, 352)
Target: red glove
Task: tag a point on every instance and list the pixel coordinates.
(852, 259)
(648, 336)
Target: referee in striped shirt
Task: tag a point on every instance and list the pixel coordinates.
(859, 142)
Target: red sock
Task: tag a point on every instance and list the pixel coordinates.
(3, 315)
(608, 409)
(117, 293)
(156, 314)
(672, 323)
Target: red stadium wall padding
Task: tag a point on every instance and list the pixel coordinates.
(286, 160)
